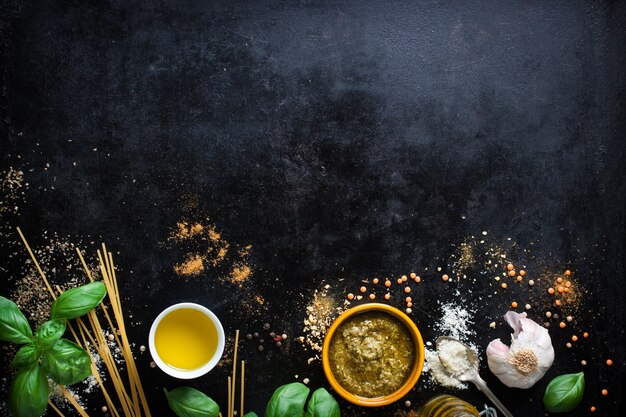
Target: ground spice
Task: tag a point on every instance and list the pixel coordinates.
(193, 265)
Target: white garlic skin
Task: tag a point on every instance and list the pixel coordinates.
(527, 337)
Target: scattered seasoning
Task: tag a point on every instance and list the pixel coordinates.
(562, 325)
(592, 409)
(605, 392)
(445, 277)
(321, 312)
(387, 283)
(574, 338)
(387, 296)
(503, 285)
(372, 296)
(192, 266)
(514, 304)
(585, 335)
(609, 362)
(413, 275)
(363, 289)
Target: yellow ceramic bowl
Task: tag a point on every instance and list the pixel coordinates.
(416, 367)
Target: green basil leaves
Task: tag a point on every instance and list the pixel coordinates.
(78, 301)
(288, 401)
(564, 392)
(49, 332)
(13, 325)
(47, 353)
(28, 396)
(322, 404)
(26, 356)
(66, 362)
(189, 402)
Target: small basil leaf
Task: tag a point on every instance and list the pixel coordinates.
(322, 404)
(250, 414)
(28, 396)
(26, 356)
(13, 325)
(49, 332)
(564, 392)
(78, 301)
(189, 402)
(288, 401)
(66, 363)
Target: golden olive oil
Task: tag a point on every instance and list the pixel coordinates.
(186, 339)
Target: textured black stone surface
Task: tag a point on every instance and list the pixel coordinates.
(342, 140)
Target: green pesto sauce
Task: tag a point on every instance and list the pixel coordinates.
(371, 354)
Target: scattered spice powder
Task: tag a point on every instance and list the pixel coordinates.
(193, 265)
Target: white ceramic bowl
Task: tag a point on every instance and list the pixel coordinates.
(193, 373)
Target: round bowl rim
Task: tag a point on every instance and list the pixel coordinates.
(416, 367)
(193, 373)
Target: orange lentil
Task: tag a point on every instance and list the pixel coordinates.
(512, 273)
(375, 280)
(560, 289)
(609, 362)
(574, 338)
(585, 335)
(387, 296)
(413, 275)
(519, 278)
(404, 278)
(558, 302)
(387, 283)
(445, 277)
(363, 289)
(605, 392)
(562, 325)
(550, 290)
(514, 304)
(510, 267)
(399, 280)
(407, 289)
(408, 299)
(350, 296)
(409, 304)
(592, 409)
(372, 296)
(568, 272)
(522, 272)
(559, 280)
(417, 279)
(503, 285)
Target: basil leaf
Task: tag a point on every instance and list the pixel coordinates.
(189, 402)
(250, 414)
(322, 404)
(49, 332)
(26, 356)
(66, 363)
(78, 301)
(13, 325)
(28, 396)
(288, 401)
(564, 392)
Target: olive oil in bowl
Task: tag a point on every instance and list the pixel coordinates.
(186, 340)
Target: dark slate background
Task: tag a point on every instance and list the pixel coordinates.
(341, 139)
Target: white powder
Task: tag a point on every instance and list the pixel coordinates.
(438, 373)
(456, 321)
(453, 355)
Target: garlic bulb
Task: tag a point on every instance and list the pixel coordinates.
(529, 357)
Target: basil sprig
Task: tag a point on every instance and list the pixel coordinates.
(28, 396)
(13, 325)
(564, 392)
(189, 402)
(78, 301)
(46, 353)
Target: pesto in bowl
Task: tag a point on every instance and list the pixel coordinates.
(372, 354)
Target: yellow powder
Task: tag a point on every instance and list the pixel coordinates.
(193, 265)
(214, 235)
